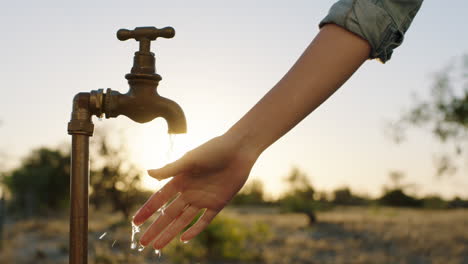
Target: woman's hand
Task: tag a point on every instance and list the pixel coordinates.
(205, 178)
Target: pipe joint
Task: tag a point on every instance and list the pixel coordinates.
(80, 122)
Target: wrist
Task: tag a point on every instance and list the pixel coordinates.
(244, 142)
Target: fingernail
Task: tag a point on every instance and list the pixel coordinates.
(134, 222)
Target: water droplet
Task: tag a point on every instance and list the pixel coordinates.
(141, 248)
(161, 210)
(135, 230)
(185, 241)
(114, 243)
(103, 235)
(157, 252)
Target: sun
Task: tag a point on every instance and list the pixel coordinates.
(152, 147)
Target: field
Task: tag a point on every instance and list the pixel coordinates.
(343, 235)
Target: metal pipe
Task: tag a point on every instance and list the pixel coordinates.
(79, 199)
(81, 128)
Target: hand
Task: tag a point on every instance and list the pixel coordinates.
(205, 178)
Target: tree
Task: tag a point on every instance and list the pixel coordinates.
(300, 196)
(397, 197)
(344, 196)
(251, 194)
(394, 195)
(41, 181)
(444, 114)
(115, 180)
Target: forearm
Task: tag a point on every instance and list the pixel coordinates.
(332, 57)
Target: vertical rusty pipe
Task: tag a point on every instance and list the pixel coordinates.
(81, 128)
(79, 200)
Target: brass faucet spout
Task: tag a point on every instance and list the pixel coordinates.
(174, 116)
(142, 104)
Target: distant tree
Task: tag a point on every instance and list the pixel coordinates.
(397, 182)
(251, 194)
(399, 198)
(457, 202)
(40, 182)
(300, 198)
(115, 180)
(344, 196)
(434, 202)
(444, 114)
(395, 195)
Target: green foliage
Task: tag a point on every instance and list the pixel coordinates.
(344, 196)
(115, 180)
(295, 204)
(444, 114)
(251, 194)
(300, 197)
(397, 197)
(457, 202)
(224, 239)
(40, 182)
(434, 202)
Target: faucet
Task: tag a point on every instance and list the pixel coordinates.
(141, 103)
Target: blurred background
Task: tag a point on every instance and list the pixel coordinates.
(377, 174)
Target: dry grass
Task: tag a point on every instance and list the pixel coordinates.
(371, 235)
(344, 235)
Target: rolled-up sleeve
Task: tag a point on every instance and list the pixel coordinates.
(382, 23)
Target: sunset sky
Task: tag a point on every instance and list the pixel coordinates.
(224, 57)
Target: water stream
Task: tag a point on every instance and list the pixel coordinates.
(103, 235)
(157, 252)
(161, 211)
(135, 230)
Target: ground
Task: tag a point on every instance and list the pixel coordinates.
(342, 235)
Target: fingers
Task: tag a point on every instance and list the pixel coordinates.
(167, 216)
(171, 169)
(199, 226)
(155, 202)
(176, 227)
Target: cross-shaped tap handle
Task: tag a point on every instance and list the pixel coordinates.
(145, 35)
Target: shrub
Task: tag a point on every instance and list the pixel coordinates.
(251, 194)
(300, 197)
(224, 239)
(434, 202)
(457, 202)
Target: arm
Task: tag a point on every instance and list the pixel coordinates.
(210, 175)
(333, 56)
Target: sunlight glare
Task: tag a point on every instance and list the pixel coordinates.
(154, 148)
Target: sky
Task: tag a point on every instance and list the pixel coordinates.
(224, 58)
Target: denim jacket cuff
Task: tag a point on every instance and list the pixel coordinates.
(372, 22)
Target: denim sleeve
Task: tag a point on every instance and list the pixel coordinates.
(382, 23)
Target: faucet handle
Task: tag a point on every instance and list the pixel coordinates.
(144, 61)
(145, 35)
